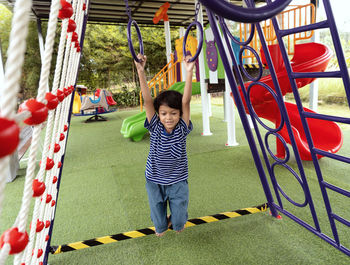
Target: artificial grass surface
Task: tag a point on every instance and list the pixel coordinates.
(102, 193)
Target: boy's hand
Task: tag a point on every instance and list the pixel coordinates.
(141, 65)
(189, 65)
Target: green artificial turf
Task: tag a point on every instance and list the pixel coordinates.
(102, 193)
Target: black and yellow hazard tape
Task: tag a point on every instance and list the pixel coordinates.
(151, 230)
(253, 66)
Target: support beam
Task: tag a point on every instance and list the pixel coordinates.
(167, 40)
(41, 45)
(40, 38)
(204, 92)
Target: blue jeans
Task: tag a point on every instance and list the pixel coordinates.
(159, 195)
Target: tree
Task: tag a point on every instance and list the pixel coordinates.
(106, 59)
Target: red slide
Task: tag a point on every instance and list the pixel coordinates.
(109, 97)
(308, 57)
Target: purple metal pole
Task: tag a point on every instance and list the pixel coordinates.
(241, 112)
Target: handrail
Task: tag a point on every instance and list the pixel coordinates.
(297, 16)
(164, 79)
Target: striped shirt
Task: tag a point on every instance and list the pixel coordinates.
(167, 158)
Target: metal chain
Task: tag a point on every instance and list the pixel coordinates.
(128, 9)
(197, 11)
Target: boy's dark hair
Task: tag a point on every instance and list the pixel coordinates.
(171, 98)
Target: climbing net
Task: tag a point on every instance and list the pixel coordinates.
(49, 111)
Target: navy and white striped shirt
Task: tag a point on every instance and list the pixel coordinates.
(167, 158)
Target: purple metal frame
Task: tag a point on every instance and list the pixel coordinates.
(278, 97)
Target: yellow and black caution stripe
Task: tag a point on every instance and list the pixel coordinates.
(253, 66)
(151, 230)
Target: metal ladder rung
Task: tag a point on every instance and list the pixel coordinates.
(329, 74)
(336, 189)
(331, 155)
(341, 219)
(326, 117)
(318, 25)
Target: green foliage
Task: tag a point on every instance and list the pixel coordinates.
(5, 24)
(107, 61)
(127, 98)
(32, 63)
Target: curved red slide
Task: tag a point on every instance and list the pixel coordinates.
(308, 57)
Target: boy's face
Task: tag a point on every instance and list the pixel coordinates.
(169, 117)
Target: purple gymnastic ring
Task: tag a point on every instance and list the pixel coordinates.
(199, 48)
(131, 46)
(245, 14)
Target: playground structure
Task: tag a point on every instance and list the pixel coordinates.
(247, 98)
(96, 106)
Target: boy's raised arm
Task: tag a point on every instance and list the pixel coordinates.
(146, 94)
(186, 98)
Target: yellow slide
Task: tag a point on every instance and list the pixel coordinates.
(76, 103)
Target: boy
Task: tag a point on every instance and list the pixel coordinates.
(168, 121)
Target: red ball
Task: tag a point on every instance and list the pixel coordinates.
(48, 198)
(47, 224)
(38, 110)
(60, 95)
(66, 11)
(53, 202)
(52, 101)
(9, 136)
(84, 6)
(57, 148)
(47, 238)
(59, 164)
(71, 25)
(54, 180)
(38, 188)
(78, 49)
(62, 136)
(39, 226)
(17, 240)
(75, 36)
(65, 92)
(40, 252)
(49, 163)
(65, 128)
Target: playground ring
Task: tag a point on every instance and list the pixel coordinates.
(226, 29)
(131, 46)
(251, 78)
(278, 160)
(282, 191)
(253, 113)
(199, 48)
